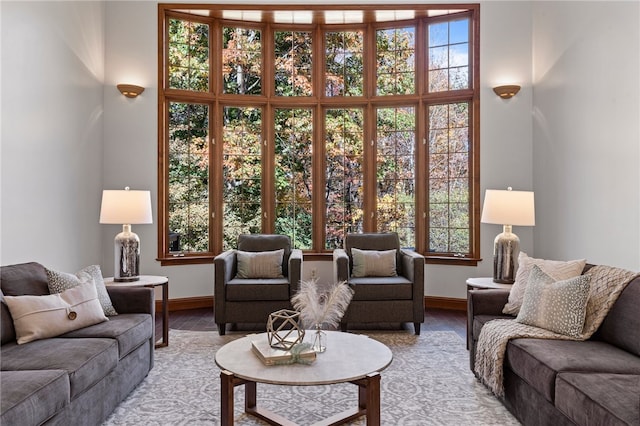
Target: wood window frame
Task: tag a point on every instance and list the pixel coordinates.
(212, 15)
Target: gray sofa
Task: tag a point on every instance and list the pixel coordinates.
(557, 382)
(80, 377)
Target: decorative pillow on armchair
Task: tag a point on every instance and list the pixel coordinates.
(558, 306)
(559, 270)
(260, 264)
(40, 317)
(60, 281)
(373, 263)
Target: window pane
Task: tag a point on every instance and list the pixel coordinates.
(449, 160)
(293, 63)
(189, 176)
(449, 55)
(242, 173)
(294, 137)
(344, 63)
(343, 192)
(396, 61)
(241, 61)
(188, 55)
(396, 172)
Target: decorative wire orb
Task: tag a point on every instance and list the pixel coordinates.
(284, 329)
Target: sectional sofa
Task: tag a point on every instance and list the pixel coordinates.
(80, 377)
(560, 382)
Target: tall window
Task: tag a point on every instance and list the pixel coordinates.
(318, 124)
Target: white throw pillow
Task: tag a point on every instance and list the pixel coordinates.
(260, 264)
(40, 317)
(558, 306)
(60, 281)
(558, 270)
(373, 263)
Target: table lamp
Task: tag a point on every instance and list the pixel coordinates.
(126, 207)
(507, 208)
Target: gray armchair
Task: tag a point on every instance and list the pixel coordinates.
(379, 299)
(251, 300)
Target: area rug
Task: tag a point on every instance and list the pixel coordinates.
(428, 383)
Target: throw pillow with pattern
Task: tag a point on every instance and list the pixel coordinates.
(61, 281)
(558, 269)
(558, 306)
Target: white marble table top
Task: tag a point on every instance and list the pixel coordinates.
(348, 357)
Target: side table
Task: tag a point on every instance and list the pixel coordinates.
(151, 281)
(482, 283)
(485, 283)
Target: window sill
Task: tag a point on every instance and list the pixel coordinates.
(185, 260)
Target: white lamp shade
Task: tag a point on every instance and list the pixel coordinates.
(506, 207)
(126, 207)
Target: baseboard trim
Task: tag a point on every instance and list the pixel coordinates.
(207, 302)
(187, 303)
(445, 303)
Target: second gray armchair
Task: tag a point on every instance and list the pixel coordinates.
(388, 281)
(256, 279)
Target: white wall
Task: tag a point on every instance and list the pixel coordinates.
(52, 115)
(586, 135)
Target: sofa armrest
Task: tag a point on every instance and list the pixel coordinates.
(225, 269)
(487, 302)
(413, 270)
(132, 300)
(295, 271)
(340, 265)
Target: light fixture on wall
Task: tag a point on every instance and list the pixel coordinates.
(507, 208)
(126, 207)
(130, 90)
(507, 92)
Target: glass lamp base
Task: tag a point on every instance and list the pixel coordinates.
(126, 256)
(506, 248)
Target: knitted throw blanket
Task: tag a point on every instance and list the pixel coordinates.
(606, 285)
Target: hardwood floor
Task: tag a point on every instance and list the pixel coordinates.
(202, 320)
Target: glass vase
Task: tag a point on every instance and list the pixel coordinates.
(319, 339)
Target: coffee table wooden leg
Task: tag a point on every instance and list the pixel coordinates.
(370, 397)
(250, 397)
(227, 383)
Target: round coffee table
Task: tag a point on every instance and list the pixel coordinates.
(352, 358)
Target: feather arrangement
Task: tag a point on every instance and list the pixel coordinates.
(326, 307)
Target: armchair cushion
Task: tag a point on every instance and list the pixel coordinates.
(240, 289)
(382, 288)
(374, 263)
(265, 264)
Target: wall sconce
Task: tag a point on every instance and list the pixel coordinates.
(130, 90)
(507, 92)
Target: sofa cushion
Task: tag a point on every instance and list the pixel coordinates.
(538, 361)
(32, 397)
(130, 330)
(25, 278)
(621, 327)
(239, 289)
(40, 317)
(382, 288)
(599, 399)
(7, 331)
(86, 361)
